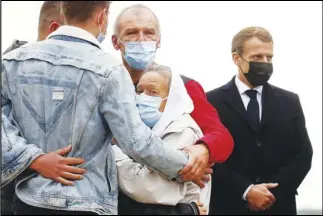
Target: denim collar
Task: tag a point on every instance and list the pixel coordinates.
(76, 32)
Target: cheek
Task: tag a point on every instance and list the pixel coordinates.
(244, 66)
(122, 49)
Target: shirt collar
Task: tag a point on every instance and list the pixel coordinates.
(76, 32)
(242, 88)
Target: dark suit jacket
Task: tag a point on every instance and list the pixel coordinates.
(279, 151)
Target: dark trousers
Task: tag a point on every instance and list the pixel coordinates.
(7, 193)
(21, 208)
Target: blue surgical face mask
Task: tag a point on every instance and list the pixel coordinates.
(102, 36)
(148, 107)
(140, 54)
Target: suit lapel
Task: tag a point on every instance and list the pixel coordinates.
(234, 99)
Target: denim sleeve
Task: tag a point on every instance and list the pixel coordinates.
(17, 155)
(134, 138)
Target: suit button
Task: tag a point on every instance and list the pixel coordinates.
(257, 180)
(258, 143)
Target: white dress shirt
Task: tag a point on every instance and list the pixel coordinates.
(242, 88)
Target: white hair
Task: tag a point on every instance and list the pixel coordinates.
(164, 71)
(136, 7)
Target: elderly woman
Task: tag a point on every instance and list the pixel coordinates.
(165, 107)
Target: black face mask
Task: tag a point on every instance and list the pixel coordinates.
(259, 72)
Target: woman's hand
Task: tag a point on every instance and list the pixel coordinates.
(202, 209)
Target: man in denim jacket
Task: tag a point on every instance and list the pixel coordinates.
(49, 21)
(66, 90)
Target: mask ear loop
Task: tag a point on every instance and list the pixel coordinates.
(100, 24)
(121, 41)
(125, 48)
(240, 66)
(243, 59)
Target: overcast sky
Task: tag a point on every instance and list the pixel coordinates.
(196, 41)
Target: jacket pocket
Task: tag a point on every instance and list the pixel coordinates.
(111, 173)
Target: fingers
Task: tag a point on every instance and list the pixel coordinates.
(269, 201)
(208, 171)
(266, 206)
(257, 209)
(200, 173)
(211, 165)
(199, 183)
(64, 151)
(74, 161)
(189, 166)
(71, 176)
(252, 208)
(74, 170)
(64, 181)
(198, 203)
(206, 178)
(271, 197)
(202, 211)
(193, 174)
(271, 185)
(197, 171)
(199, 154)
(268, 194)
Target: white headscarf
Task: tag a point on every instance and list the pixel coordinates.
(178, 103)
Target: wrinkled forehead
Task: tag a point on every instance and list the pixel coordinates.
(137, 19)
(155, 77)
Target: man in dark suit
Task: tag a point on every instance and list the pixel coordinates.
(272, 153)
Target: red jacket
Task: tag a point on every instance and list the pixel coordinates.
(216, 137)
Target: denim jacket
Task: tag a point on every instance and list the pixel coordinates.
(67, 90)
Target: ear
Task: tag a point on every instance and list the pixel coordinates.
(53, 27)
(102, 17)
(115, 43)
(236, 58)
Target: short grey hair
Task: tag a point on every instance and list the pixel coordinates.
(137, 7)
(164, 71)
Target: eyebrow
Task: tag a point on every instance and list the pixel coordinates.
(153, 86)
(262, 54)
(150, 29)
(136, 29)
(130, 29)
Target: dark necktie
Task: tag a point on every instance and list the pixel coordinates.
(253, 108)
